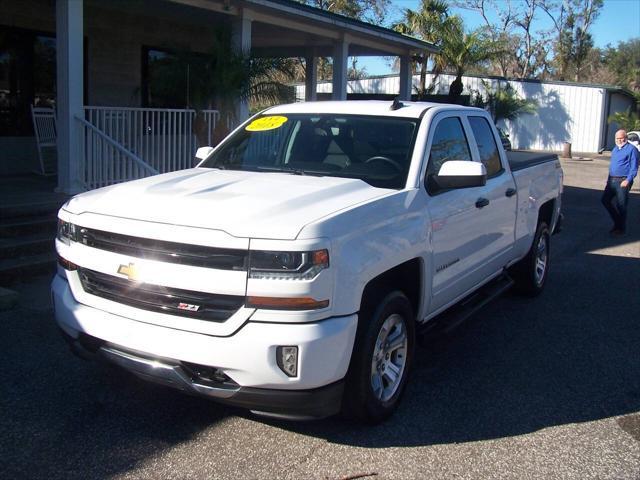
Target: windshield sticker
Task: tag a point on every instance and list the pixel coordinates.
(266, 123)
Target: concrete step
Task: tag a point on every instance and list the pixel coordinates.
(14, 269)
(15, 247)
(21, 226)
(47, 207)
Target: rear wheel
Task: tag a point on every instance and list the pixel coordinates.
(530, 273)
(381, 359)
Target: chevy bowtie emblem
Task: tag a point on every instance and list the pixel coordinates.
(129, 270)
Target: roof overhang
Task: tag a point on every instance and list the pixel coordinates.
(288, 28)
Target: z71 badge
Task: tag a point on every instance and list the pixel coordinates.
(188, 307)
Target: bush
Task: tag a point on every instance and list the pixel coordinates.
(625, 120)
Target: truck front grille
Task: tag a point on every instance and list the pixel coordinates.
(156, 298)
(168, 252)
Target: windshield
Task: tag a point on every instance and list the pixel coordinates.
(376, 150)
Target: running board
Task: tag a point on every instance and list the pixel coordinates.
(455, 316)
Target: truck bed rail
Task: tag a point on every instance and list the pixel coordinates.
(519, 160)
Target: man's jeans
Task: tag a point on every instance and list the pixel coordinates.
(615, 199)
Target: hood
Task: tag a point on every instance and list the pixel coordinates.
(242, 204)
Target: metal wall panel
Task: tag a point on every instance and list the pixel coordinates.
(565, 113)
(617, 103)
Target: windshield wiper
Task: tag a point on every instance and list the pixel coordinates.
(264, 168)
(293, 171)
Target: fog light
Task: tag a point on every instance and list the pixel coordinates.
(287, 358)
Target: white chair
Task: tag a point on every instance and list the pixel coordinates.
(45, 129)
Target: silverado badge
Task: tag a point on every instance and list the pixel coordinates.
(129, 270)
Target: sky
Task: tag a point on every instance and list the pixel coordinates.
(619, 20)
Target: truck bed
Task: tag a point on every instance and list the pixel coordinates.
(519, 160)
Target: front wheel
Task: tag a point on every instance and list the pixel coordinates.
(530, 273)
(381, 359)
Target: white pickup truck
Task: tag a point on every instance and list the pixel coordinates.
(291, 270)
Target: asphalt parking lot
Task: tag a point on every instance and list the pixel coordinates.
(529, 388)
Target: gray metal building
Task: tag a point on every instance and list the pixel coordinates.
(567, 112)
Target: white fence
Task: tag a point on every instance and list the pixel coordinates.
(106, 161)
(123, 144)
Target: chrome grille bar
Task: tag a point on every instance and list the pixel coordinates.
(172, 301)
(163, 251)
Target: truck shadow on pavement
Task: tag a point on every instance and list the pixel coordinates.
(66, 418)
(521, 365)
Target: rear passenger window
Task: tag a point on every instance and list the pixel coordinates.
(449, 143)
(486, 145)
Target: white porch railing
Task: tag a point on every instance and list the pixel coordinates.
(106, 162)
(123, 144)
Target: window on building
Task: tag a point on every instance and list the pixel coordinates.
(175, 79)
(27, 77)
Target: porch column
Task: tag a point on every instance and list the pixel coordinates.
(340, 68)
(69, 71)
(241, 42)
(310, 78)
(406, 79)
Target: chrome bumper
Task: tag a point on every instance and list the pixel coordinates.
(164, 373)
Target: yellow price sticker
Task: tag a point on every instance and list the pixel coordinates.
(266, 123)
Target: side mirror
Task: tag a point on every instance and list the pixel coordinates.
(202, 153)
(461, 174)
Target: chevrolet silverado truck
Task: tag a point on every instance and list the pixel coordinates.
(292, 269)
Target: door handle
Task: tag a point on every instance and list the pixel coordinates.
(482, 202)
(510, 192)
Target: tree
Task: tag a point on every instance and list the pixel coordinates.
(626, 120)
(236, 75)
(511, 26)
(355, 72)
(572, 20)
(624, 62)
(461, 51)
(372, 11)
(503, 103)
(499, 29)
(531, 52)
(506, 104)
(427, 23)
(222, 77)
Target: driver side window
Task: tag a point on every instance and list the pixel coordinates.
(449, 143)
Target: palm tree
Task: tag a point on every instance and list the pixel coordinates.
(506, 104)
(224, 76)
(426, 23)
(239, 76)
(461, 50)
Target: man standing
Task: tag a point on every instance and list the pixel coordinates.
(622, 171)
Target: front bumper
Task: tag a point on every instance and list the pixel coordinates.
(247, 358)
(294, 404)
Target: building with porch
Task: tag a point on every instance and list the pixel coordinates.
(99, 64)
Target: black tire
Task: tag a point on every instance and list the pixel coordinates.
(530, 274)
(362, 401)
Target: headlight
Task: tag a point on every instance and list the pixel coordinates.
(266, 265)
(67, 232)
